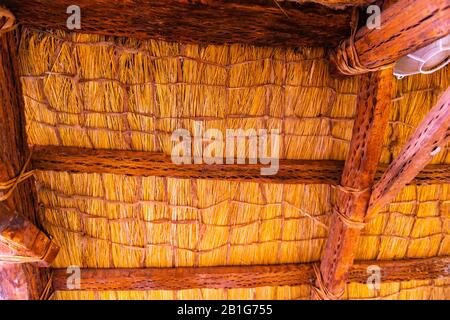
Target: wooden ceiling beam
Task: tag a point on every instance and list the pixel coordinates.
(18, 212)
(137, 163)
(360, 168)
(146, 164)
(406, 25)
(430, 137)
(255, 22)
(243, 276)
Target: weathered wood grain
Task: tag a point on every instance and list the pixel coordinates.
(256, 22)
(243, 276)
(406, 26)
(359, 173)
(432, 135)
(138, 163)
(146, 164)
(24, 239)
(22, 281)
(13, 155)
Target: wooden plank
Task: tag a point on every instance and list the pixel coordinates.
(146, 164)
(359, 173)
(13, 155)
(432, 135)
(406, 26)
(243, 276)
(256, 22)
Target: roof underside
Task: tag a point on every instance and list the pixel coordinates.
(117, 93)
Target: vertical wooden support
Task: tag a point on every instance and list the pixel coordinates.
(30, 279)
(352, 198)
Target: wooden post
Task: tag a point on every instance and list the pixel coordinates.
(14, 228)
(357, 179)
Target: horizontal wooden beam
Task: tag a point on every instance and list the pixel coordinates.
(256, 22)
(243, 276)
(430, 137)
(137, 163)
(406, 26)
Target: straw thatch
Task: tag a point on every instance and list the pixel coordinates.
(114, 93)
(132, 95)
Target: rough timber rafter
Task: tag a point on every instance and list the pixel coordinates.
(136, 163)
(359, 173)
(14, 228)
(257, 22)
(243, 276)
(406, 26)
(428, 139)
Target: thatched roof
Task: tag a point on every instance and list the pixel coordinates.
(117, 93)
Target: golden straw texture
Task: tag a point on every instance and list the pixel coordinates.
(115, 93)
